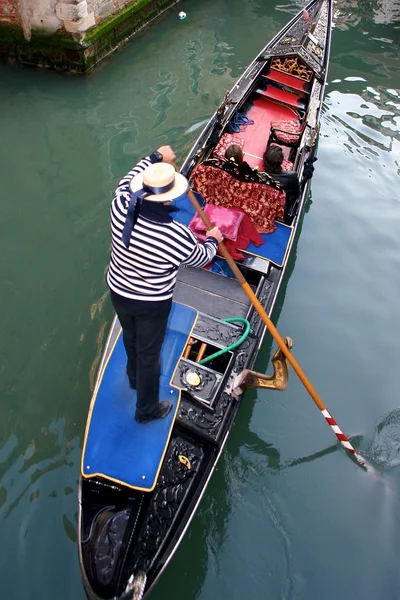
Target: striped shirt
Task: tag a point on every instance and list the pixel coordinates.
(147, 270)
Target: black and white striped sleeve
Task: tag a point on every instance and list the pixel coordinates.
(201, 254)
(123, 192)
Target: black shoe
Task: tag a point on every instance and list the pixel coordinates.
(163, 409)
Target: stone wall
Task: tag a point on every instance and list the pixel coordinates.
(8, 10)
(70, 35)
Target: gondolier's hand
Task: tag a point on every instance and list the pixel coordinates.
(167, 153)
(215, 233)
(308, 167)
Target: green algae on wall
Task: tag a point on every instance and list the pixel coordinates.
(57, 51)
(111, 33)
(62, 52)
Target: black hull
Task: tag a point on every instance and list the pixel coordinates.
(122, 531)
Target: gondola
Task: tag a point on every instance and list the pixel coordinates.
(141, 485)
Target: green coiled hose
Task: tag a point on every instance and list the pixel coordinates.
(235, 344)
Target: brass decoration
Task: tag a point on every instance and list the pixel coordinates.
(188, 347)
(184, 461)
(316, 49)
(292, 65)
(201, 352)
(278, 381)
(136, 585)
(193, 378)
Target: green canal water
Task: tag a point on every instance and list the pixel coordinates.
(287, 515)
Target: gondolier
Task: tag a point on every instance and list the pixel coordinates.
(148, 247)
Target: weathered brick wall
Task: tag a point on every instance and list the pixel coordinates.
(104, 8)
(76, 16)
(8, 11)
(70, 35)
(31, 14)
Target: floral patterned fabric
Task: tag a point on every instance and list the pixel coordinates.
(261, 202)
(226, 140)
(287, 132)
(287, 165)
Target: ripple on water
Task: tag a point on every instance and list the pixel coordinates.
(255, 511)
(385, 448)
(359, 206)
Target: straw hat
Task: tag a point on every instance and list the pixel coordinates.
(161, 179)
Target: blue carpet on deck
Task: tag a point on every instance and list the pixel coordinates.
(186, 210)
(117, 447)
(274, 246)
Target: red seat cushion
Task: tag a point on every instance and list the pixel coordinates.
(226, 140)
(287, 132)
(227, 219)
(261, 202)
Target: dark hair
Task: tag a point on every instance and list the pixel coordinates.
(272, 159)
(234, 151)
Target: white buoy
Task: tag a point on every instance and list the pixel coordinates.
(182, 15)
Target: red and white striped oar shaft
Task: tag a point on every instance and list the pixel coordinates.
(343, 439)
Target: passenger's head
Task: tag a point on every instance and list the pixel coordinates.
(234, 152)
(272, 159)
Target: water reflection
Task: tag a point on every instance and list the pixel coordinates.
(194, 58)
(21, 474)
(386, 11)
(162, 94)
(350, 13)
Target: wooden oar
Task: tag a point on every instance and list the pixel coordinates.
(277, 337)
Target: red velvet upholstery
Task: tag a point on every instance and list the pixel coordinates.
(287, 132)
(261, 202)
(227, 219)
(226, 140)
(246, 232)
(287, 165)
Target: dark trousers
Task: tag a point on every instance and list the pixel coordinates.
(144, 325)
